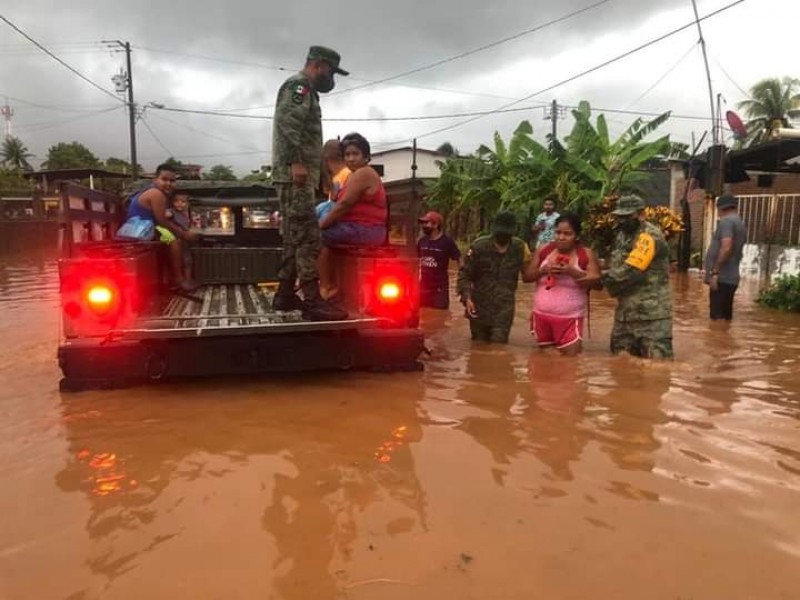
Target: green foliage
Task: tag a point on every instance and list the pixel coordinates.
(12, 182)
(174, 164)
(14, 155)
(119, 165)
(220, 173)
(72, 155)
(519, 174)
(771, 104)
(260, 176)
(783, 294)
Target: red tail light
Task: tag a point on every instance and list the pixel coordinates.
(390, 291)
(100, 297)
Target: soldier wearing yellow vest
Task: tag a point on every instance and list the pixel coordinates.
(638, 278)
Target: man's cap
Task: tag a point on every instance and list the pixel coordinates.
(431, 216)
(727, 201)
(329, 56)
(628, 205)
(505, 222)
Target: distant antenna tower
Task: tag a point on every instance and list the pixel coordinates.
(7, 113)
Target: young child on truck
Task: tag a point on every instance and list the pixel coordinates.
(179, 213)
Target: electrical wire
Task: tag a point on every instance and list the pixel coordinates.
(53, 107)
(476, 50)
(57, 59)
(274, 68)
(724, 72)
(422, 117)
(663, 77)
(35, 127)
(198, 131)
(155, 137)
(579, 75)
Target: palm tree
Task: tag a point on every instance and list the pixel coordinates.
(771, 104)
(15, 155)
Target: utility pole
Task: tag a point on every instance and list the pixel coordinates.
(124, 82)
(554, 113)
(7, 112)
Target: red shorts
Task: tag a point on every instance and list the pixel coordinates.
(551, 330)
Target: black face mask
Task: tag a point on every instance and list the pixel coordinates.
(427, 230)
(324, 83)
(628, 225)
(504, 239)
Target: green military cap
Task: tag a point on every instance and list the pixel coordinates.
(329, 56)
(628, 205)
(505, 222)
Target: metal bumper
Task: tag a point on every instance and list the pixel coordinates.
(95, 364)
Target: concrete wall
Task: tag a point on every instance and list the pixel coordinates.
(760, 260)
(696, 197)
(397, 164)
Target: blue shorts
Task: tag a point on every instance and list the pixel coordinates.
(353, 234)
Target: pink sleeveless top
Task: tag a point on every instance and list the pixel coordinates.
(565, 298)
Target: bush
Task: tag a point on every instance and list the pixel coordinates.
(600, 223)
(783, 294)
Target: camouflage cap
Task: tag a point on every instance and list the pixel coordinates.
(505, 222)
(329, 56)
(628, 205)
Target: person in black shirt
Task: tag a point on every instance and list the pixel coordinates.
(435, 250)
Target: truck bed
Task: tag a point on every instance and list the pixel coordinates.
(227, 309)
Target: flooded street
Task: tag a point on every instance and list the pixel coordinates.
(497, 472)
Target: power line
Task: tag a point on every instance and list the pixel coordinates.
(664, 76)
(42, 126)
(57, 59)
(478, 113)
(155, 137)
(724, 72)
(578, 75)
(54, 107)
(198, 131)
(277, 68)
(478, 49)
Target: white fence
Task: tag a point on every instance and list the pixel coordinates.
(773, 233)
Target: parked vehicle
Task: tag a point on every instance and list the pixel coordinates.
(121, 325)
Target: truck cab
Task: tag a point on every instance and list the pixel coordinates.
(121, 324)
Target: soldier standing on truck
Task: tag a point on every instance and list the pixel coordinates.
(296, 164)
(638, 278)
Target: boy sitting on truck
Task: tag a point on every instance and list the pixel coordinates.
(151, 204)
(179, 214)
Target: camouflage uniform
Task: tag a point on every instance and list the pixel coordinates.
(639, 278)
(490, 279)
(297, 138)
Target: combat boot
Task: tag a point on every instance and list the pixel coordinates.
(316, 309)
(285, 299)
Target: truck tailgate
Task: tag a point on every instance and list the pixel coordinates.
(233, 309)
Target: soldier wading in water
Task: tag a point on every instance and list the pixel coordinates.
(638, 278)
(487, 281)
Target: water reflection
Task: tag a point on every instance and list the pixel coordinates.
(330, 461)
(496, 471)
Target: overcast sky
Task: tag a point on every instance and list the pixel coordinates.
(232, 56)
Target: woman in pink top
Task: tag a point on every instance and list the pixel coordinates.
(564, 272)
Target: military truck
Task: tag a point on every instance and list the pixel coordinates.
(121, 324)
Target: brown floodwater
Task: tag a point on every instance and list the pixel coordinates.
(497, 472)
